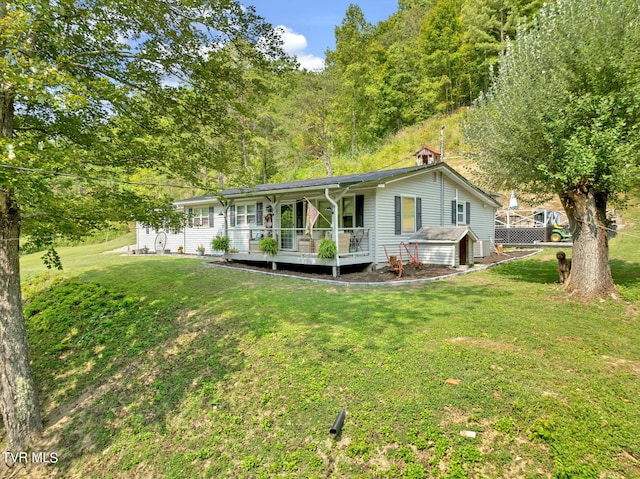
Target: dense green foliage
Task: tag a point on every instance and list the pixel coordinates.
(429, 58)
(85, 109)
(561, 119)
(563, 110)
(228, 118)
(227, 374)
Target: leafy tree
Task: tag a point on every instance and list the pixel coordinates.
(562, 118)
(489, 24)
(315, 100)
(79, 81)
(401, 71)
(440, 40)
(353, 62)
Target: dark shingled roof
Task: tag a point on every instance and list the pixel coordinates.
(444, 234)
(340, 181)
(373, 177)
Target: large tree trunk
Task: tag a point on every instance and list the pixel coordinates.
(590, 270)
(18, 395)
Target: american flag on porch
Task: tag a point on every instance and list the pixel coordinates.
(312, 216)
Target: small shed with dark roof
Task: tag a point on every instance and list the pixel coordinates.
(449, 245)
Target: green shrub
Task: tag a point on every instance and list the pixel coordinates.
(327, 249)
(269, 245)
(220, 243)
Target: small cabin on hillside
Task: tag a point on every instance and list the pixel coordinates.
(368, 215)
(427, 156)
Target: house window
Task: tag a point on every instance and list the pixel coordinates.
(461, 214)
(408, 214)
(201, 217)
(348, 211)
(245, 215)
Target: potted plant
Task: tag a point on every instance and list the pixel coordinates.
(220, 243)
(269, 246)
(200, 250)
(180, 249)
(145, 249)
(327, 249)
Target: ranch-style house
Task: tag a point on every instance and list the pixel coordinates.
(429, 210)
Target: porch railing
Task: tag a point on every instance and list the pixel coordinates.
(529, 218)
(351, 241)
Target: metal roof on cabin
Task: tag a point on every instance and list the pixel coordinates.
(428, 148)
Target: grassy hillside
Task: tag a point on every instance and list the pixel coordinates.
(163, 367)
(398, 150)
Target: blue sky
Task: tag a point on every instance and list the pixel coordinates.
(309, 25)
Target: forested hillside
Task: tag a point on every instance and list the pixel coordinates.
(386, 90)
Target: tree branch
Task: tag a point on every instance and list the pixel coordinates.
(119, 53)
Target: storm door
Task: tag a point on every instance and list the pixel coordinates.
(287, 225)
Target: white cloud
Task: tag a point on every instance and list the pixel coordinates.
(295, 45)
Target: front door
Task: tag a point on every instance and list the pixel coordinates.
(287, 225)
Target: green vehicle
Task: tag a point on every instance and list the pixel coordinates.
(560, 233)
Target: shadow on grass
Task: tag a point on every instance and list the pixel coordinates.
(542, 271)
(529, 271)
(625, 273)
(110, 361)
(120, 352)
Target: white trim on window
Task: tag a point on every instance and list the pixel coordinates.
(246, 214)
(408, 214)
(199, 217)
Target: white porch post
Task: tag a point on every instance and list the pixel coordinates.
(334, 229)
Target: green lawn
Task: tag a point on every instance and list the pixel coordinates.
(162, 367)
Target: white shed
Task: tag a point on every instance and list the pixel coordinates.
(446, 245)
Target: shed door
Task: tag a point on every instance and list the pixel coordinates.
(464, 250)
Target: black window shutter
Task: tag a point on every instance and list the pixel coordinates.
(418, 213)
(468, 211)
(398, 215)
(190, 213)
(454, 212)
(232, 215)
(210, 216)
(359, 211)
(259, 216)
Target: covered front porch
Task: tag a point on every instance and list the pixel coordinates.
(300, 247)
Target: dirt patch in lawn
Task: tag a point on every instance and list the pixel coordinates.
(384, 275)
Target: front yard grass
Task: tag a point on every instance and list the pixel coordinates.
(163, 367)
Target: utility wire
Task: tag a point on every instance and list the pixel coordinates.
(95, 178)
